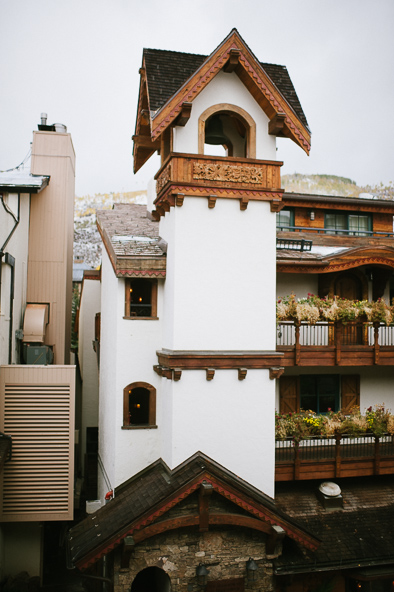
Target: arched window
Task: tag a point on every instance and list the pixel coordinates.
(139, 405)
(227, 128)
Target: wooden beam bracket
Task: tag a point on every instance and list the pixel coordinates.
(205, 493)
(232, 61)
(242, 373)
(243, 203)
(210, 373)
(276, 205)
(212, 201)
(127, 550)
(179, 199)
(177, 373)
(274, 541)
(184, 115)
(276, 126)
(276, 372)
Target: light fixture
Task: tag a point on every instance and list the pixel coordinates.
(202, 575)
(312, 215)
(251, 570)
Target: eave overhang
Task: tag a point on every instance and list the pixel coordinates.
(32, 184)
(346, 259)
(340, 202)
(133, 266)
(232, 55)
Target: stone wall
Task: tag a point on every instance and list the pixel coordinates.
(178, 553)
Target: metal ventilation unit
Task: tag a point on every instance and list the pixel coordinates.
(35, 352)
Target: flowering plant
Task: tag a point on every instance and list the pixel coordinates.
(306, 424)
(313, 309)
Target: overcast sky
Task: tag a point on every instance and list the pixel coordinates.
(78, 60)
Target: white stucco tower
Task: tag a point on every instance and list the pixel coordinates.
(210, 288)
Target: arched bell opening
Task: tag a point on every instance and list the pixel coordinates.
(153, 579)
(227, 130)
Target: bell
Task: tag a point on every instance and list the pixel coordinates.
(214, 132)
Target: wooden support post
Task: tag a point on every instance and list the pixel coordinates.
(297, 461)
(206, 490)
(297, 347)
(376, 467)
(376, 343)
(274, 540)
(338, 342)
(338, 455)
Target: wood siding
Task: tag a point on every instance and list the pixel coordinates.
(37, 411)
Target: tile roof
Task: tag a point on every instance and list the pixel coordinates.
(167, 71)
(360, 534)
(132, 240)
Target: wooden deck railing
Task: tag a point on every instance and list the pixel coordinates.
(321, 457)
(336, 343)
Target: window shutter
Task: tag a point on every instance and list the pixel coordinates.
(350, 392)
(288, 394)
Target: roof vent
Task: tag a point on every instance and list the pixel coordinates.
(329, 494)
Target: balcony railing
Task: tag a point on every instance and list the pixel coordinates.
(339, 340)
(321, 457)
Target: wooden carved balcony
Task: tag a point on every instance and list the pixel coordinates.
(322, 457)
(335, 344)
(215, 177)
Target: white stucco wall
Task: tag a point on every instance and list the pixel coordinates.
(231, 421)
(226, 88)
(18, 248)
(220, 286)
(128, 354)
(297, 283)
(90, 304)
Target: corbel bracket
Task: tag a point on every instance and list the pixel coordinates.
(127, 549)
(276, 372)
(212, 201)
(276, 126)
(242, 373)
(232, 61)
(184, 115)
(205, 493)
(274, 541)
(210, 373)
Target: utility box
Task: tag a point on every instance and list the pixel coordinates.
(37, 354)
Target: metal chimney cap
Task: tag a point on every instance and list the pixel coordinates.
(44, 117)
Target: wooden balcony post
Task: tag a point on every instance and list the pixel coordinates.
(297, 461)
(377, 456)
(338, 455)
(297, 347)
(338, 342)
(376, 342)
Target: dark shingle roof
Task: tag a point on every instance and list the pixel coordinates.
(360, 534)
(148, 491)
(167, 71)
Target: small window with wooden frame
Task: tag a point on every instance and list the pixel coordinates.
(139, 406)
(141, 299)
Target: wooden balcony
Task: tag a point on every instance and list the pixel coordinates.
(328, 458)
(335, 344)
(198, 175)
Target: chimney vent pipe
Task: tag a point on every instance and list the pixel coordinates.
(44, 117)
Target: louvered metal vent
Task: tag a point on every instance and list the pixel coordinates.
(37, 483)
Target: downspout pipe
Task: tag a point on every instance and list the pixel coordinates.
(10, 260)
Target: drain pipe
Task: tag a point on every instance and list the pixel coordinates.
(9, 260)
